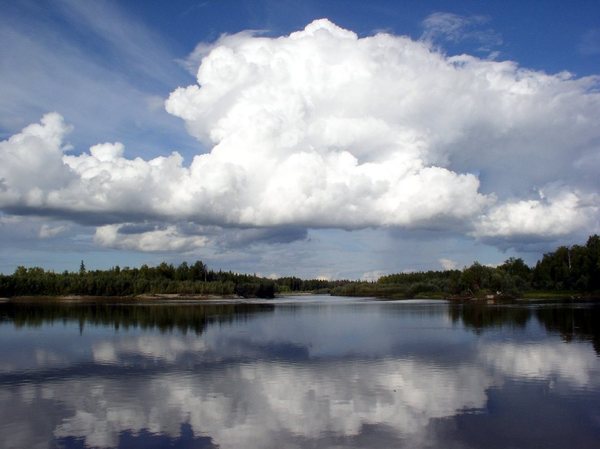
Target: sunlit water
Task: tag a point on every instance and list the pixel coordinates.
(306, 372)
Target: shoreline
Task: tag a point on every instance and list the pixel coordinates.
(546, 297)
(144, 297)
(134, 298)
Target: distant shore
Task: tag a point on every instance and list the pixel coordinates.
(142, 297)
(530, 296)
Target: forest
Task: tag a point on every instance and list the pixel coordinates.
(567, 271)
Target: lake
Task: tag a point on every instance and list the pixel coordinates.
(299, 372)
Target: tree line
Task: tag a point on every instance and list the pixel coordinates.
(165, 278)
(567, 269)
(574, 269)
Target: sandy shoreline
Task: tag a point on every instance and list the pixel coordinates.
(166, 297)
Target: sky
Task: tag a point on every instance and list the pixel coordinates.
(338, 139)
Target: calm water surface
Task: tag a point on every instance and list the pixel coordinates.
(316, 372)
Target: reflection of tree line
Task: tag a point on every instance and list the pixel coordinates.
(572, 323)
(576, 323)
(481, 316)
(166, 318)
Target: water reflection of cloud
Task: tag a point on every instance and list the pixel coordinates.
(262, 404)
(163, 347)
(362, 330)
(265, 383)
(266, 403)
(333, 332)
(576, 363)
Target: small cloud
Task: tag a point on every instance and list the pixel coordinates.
(372, 275)
(6, 220)
(448, 264)
(167, 238)
(453, 28)
(273, 276)
(590, 43)
(155, 103)
(494, 55)
(47, 231)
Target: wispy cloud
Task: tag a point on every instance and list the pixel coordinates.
(127, 43)
(454, 28)
(49, 231)
(99, 68)
(590, 42)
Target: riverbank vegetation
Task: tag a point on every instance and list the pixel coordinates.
(568, 271)
(195, 279)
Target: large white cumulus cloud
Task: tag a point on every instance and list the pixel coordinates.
(324, 129)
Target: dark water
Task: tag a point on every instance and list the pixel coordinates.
(316, 372)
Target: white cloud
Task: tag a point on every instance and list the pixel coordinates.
(372, 276)
(448, 264)
(563, 214)
(36, 151)
(47, 231)
(324, 129)
(165, 239)
(187, 237)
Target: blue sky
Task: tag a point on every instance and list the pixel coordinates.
(432, 160)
